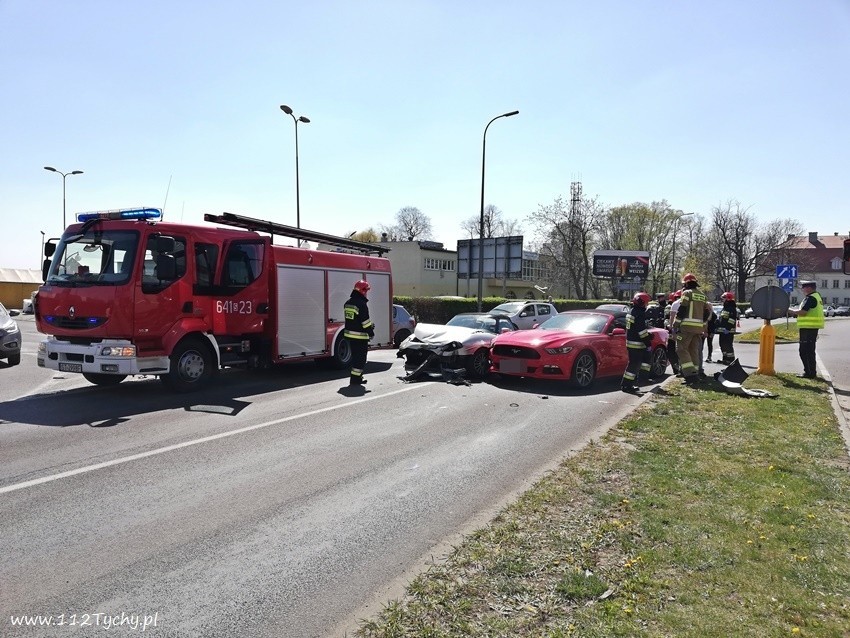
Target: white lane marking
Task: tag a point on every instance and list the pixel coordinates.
(178, 446)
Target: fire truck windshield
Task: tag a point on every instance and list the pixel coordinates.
(96, 258)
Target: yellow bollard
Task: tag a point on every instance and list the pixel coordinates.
(767, 345)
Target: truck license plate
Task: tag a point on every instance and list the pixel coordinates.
(70, 367)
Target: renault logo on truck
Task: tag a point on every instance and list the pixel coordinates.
(71, 312)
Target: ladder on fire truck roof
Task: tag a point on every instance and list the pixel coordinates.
(273, 228)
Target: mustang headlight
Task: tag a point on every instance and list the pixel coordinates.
(118, 351)
(560, 350)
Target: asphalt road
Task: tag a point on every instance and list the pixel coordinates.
(274, 504)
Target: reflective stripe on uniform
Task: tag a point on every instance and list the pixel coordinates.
(351, 334)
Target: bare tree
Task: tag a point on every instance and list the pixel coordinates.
(746, 243)
(410, 224)
(495, 224)
(566, 239)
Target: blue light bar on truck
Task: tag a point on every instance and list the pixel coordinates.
(124, 213)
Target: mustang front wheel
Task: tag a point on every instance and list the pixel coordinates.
(584, 370)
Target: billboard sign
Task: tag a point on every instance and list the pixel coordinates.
(621, 263)
(502, 258)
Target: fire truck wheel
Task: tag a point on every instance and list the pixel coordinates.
(192, 366)
(104, 379)
(342, 353)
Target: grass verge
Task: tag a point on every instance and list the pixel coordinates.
(785, 333)
(703, 514)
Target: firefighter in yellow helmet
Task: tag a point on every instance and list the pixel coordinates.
(690, 324)
(359, 328)
(638, 341)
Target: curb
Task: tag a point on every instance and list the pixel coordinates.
(836, 406)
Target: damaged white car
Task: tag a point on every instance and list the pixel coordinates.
(464, 342)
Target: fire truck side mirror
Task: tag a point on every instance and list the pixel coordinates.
(166, 267)
(165, 244)
(50, 248)
(847, 256)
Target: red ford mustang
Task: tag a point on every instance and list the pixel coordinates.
(577, 346)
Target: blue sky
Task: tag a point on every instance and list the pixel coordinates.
(693, 102)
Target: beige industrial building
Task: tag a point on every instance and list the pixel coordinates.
(17, 284)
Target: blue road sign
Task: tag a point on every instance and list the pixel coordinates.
(786, 271)
(788, 286)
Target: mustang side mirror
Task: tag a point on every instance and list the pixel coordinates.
(618, 332)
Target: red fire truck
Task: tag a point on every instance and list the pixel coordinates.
(129, 294)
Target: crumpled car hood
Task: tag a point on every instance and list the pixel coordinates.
(434, 333)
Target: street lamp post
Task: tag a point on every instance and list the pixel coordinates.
(305, 120)
(673, 251)
(64, 175)
(481, 219)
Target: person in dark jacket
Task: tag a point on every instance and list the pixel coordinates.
(726, 327)
(359, 328)
(809, 321)
(655, 311)
(638, 341)
(710, 329)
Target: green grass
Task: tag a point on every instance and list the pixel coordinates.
(786, 332)
(703, 514)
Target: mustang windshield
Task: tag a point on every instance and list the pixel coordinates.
(577, 322)
(96, 258)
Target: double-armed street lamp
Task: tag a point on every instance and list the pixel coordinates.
(305, 120)
(673, 251)
(481, 219)
(64, 175)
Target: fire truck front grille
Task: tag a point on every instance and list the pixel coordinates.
(75, 323)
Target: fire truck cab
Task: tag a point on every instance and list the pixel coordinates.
(128, 294)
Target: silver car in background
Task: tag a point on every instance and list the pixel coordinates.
(10, 337)
(525, 314)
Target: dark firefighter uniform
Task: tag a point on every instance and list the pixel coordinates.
(638, 341)
(359, 328)
(655, 311)
(726, 326)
